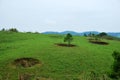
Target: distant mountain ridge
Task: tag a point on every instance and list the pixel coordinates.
(115, 34)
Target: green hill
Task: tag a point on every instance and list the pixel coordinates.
(85, 61)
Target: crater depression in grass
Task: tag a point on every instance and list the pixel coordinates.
(65, 45)
(99, 42)
(26, 62)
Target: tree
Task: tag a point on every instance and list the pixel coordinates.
(3, 29)
(90, 34)
(68, 39)
(13, 30)
(85, 35)
(102, 34)
(116, 65)
(93, 35)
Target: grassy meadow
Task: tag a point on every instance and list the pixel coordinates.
(85, 61)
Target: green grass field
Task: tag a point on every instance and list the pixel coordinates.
(57, 62)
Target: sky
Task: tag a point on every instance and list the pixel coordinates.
(60, 15)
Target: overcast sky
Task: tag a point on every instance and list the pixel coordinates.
(60, 15)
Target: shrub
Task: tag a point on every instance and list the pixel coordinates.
(116, 65)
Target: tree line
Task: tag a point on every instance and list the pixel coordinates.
(10, 30)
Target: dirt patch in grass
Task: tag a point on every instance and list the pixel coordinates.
(29, 76)
(26, 62)
(99, 42)
(65, 45)
(25, 76)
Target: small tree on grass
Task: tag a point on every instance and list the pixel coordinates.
(3, 29)
(116, 65)
(102, 34)
(68, 39)
(85, 35)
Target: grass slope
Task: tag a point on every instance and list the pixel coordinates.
(58, 63)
